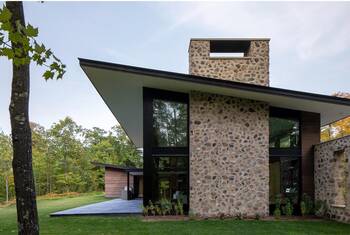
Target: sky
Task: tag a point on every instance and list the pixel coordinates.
(309, 47)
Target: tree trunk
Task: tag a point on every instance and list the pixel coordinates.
(27, 215)
(7, 188)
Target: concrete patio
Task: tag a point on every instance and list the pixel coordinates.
(111, 207)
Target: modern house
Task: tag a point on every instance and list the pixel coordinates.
(219, 138)
(119, 180)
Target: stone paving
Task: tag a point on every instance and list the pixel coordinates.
(111, 207)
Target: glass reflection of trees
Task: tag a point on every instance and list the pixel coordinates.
(284, 133)
(169, 124)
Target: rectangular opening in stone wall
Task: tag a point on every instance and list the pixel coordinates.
(228, 55)
(229, 48)
(341, 173)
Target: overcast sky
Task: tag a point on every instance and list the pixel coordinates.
(309, 47)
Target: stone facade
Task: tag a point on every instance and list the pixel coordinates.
(332, 181)
(229, 156)
(252, 68)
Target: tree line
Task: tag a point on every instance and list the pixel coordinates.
(62, 156)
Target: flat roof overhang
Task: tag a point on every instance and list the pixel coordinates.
(120, 86)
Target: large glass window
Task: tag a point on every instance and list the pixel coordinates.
(166, 149)
(169, 124)
(284, 133)
(171, 174)
(284, 178)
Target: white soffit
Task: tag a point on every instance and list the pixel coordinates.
(122, 92)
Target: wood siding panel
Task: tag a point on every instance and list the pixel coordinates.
(310, 135)
(115, 181)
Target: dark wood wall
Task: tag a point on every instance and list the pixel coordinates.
(115, 181)
(310, 135)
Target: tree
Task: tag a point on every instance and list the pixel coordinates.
(5, 163)
(339, 128)
(18, 43)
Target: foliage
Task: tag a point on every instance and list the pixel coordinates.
(309, 204)
(277, 211)
(339, 128)
(321, 208)
(288, 208)
(303, 208)
(6, 176)
(163, 207)
(62, 157)
(30, 49)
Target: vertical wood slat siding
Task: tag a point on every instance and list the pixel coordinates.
(310, 135)
(115, 181)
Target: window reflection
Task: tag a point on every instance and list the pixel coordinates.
(171, 178)
(169, 124)
(284, 178)
(284, 133)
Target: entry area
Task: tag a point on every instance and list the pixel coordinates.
(285, 155)
(166, 162)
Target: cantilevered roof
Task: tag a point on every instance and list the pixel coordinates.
(120, 86)
(117, 167)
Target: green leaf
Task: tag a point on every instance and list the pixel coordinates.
(8, 52)
(5, 14)
(30, 31)
(6, 26)
(48, 75)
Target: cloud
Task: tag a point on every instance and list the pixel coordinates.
(309, 30)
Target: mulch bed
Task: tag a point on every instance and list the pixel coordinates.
(268, 218)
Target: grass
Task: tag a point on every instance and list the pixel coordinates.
(134, 225)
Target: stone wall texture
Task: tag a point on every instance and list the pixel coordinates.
(329, 176)
(229, 156)
(254, 68)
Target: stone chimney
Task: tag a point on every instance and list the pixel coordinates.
(239, 60)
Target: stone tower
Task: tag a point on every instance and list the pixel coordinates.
(240, 60)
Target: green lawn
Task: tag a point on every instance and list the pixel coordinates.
(134, 225)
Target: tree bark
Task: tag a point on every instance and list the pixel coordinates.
(27, 215)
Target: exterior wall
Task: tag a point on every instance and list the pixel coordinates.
(254, 68)
(310, 136)
(327, 176)
(229, 156)
(115, 181)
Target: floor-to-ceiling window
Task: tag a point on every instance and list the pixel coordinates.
(285, 153)
(165, 146)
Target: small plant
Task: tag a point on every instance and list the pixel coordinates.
(303, 208)
(239, 216)
(180, 207)
(191, 215)
(165, 206)
(277, 211)
(257, 216)
(151, 208)
(288, 208)
(145, 210)
(158, 210)
(321, 208)
(309, 205)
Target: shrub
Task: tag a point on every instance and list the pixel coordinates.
(303, 208)
(288, 208)
(309, 205)
(321, 208)
(277, 213)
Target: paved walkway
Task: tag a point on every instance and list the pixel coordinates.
(111, 207)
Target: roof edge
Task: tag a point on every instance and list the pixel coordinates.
(214, 82)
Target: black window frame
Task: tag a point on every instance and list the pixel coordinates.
(291, 115)
(150, 151)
